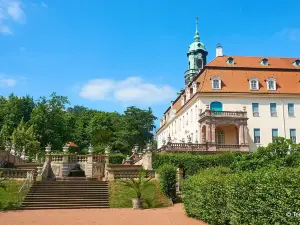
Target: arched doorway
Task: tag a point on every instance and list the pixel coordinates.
(216, 106)
(220, 136)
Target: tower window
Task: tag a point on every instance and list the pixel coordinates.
(199, 63)
(264, 62)
(271, 84)
(254, 84)
(297, 63)
(230, 60)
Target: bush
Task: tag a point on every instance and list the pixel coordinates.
(116, 158)
(167, 180)
(191, 164)
(261, 197)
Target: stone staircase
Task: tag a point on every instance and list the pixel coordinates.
(70, 194)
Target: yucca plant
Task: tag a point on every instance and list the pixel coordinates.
(2, 185)
(138, 185)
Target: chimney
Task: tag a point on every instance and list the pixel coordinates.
(219, 50)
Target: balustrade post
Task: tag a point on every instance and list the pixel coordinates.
(89, 163)
(65, 161)
(241, 134)
(106, 166)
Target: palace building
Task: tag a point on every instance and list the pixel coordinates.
(233, 102)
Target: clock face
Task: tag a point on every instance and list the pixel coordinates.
(199, 55)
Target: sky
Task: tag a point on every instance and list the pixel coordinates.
(109, 55)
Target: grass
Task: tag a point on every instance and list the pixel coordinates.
(9, 197)
(121, 196)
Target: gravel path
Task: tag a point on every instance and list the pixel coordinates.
(165, 216)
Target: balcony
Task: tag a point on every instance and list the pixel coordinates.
(209, 114)
(202, 148)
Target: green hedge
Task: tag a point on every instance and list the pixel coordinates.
(167, 180)
(116, 158)
(262, 197)
(193, 163)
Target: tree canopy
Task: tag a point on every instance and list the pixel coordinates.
(33, 124)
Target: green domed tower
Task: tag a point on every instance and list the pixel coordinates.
(197, 57)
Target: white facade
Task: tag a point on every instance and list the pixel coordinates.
(185, 122)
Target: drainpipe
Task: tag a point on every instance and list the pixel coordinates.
(283, 119)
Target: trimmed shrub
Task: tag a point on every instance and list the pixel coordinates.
(167, 180)
(265, 196)
(116, 158)
(191, 164)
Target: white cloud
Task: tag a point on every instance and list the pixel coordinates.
(292, 34)
(132, 90)
(43, 4)
(4, 30)
(10, 11)
(6, 81)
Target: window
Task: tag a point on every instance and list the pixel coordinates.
(291, 109)
(274, 134)
(293, 135)
(297, 63)
(255, 109)
(216, 84)
(257, 136)
(230, 60)
(264, 62)
(273, 109)
(271, 84)
(220, 137)
(253, 84)
(199, 63)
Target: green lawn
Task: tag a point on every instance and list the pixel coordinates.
(120, 196)
(9, 197)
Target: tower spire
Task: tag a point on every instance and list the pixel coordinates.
(197, 37)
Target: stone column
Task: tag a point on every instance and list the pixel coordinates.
(241, 134)
(65, 161)
(89, 163)
(179, 180)
(213, 133)
(47, 155)
(106, 166)
(208, 132)
(147, 161)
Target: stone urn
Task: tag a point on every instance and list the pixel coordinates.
(137, 203)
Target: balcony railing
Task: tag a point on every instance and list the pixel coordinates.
(192, 147)
(212, 113)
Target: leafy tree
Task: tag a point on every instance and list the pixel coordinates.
(24, 136)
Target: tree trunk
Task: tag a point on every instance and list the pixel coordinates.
(137, 203)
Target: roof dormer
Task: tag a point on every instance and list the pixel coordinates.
(296, 63)
(216, 83)
(254, 84)
(271, 84)
(230, 61)
(264, 62)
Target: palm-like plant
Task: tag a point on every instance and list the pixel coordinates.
(138, 185)
(2, 185)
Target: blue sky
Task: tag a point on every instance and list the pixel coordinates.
(111, 54)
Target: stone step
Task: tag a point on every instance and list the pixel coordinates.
(47, 204)
(64, 201)
(63, 207)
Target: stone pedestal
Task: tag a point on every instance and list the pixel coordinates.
(65, 166)
(89, 166)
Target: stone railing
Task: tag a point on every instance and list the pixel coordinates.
(73, 158)
(207, 147)
(212, 113)
(12, 173)
(127, 172)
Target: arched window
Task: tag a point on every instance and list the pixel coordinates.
(220, 137)
(199, 63)
(216, 106)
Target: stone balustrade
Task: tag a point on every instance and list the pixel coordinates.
(12, 173)
(221, 114)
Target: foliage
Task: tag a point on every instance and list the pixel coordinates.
(167, 180)
(191, 164)
(50, 120)
(120, 196)
(116, 158)
(281, 153)
(139, 184)
(265, 196)
(9, 197)
(24, 136)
